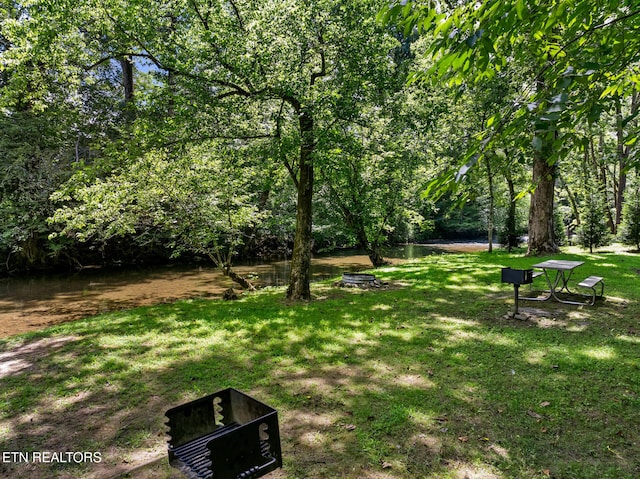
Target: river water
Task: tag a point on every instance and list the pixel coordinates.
(32, 303)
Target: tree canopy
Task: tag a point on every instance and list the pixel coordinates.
(280, 73)
(234, 127)
(578, 57)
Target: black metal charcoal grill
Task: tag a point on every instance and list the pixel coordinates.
(516, 277)
(226, 435)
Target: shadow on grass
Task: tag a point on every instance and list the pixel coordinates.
(428, 380)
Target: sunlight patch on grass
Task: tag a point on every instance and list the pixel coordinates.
(402, 333)
(314, 439)
(424, 419)
(12, 367)
(381, 307)
(456, 322)
(499, 450)
(336, 348)
(500, 340)
(576, 328)
(462, 336)
(68, 401)
(578, 314)
(472, 471)
(296, 336)
(608, 265)
(414, 381)
(468, 394)
(536, 356)
(462, 286)
(629, 339)
(603, 353)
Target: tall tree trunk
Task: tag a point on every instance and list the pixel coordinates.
(600, 173)
(127, 81)
(491, 207)
(622, 161)
(541, 238)
(512, 236)
(623, 154)
(303, 240)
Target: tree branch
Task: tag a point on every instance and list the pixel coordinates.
(236, 11)
(203, 20)
(323, 65)
(292, 173)
(596, 28)
(235, 88)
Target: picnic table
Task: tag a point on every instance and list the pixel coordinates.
(558, 273)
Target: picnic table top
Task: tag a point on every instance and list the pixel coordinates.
(559, 264)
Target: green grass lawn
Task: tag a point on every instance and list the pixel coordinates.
(427, 378)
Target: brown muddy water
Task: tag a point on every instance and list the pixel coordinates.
(30, 304)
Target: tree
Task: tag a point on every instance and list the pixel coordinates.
(630, 226)
(232, 69)
(201, 199)
(365, 186)
(577, 55)
(367, 168)
(35, 147)
(54, 116)
(34, 160)
(593, 231)
(508, 233)
(623, 147)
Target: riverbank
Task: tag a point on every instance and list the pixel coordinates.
(428, 378)
(30, 304)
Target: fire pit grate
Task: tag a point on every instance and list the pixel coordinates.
(359, 280)
(226, 435)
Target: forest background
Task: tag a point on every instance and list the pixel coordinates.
(140, 131)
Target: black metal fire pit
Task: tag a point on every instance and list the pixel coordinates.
(226, 435)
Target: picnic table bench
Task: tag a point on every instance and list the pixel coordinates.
(591, 282)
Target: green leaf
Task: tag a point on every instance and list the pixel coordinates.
(445, 26)
(537, 143)
(550, 117)
(520, 9)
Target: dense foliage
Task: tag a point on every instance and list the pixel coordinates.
(575, 60)
(132, 131)
(630, 227)
(592, 232)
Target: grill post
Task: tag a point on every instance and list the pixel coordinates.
(516, 288)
